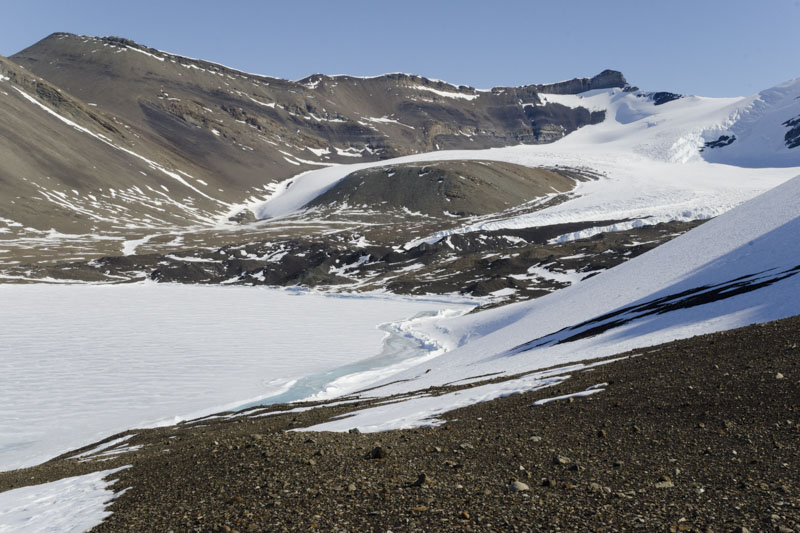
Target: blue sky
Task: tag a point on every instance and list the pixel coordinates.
(712, 48)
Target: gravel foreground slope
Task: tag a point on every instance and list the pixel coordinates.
(696, 435)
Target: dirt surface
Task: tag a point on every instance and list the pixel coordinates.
(696, 435)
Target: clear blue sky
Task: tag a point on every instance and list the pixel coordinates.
(706, 47)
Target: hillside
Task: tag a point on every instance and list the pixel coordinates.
(452, 188)
(65, 163)
(261, 129)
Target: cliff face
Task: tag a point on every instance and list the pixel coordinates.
(607, 79)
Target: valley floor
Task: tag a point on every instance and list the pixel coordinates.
(701, 434)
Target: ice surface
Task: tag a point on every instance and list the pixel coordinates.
(129, 247)
(80, 363)
(422, 409)
(387, 120)
(581, 394)
(145, 53)
(69, 505)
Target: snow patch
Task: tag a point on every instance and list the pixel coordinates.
(73, 504)
(146, 53)
(446, 94)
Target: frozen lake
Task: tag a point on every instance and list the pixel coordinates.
(79, 363)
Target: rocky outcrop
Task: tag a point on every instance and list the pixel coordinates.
(721, 142)
(792, 137)
(661, 98)
(608, 79)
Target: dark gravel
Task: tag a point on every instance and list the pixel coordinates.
(695, 435)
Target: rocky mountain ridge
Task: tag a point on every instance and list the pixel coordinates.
(385, 116)
(123, 162)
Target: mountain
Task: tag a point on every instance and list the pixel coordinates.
(211, 140)
(395, 182)
(256, 130)
(763, 132)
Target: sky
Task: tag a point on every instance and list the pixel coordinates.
(703, 47)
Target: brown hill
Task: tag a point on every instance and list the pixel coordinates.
(454, 188)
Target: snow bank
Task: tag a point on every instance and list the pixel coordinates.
(759, 130)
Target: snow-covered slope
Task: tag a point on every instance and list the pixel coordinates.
(764, 129)
(654, 153)
(738, 269)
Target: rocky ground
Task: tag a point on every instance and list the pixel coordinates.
(696, 435)
(522, 263)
